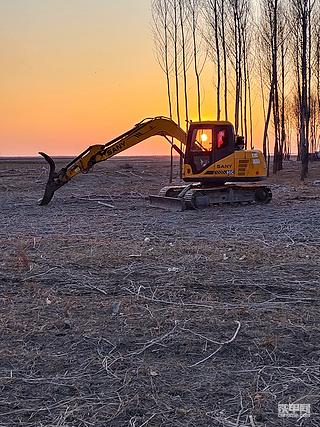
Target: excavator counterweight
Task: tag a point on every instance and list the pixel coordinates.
(216, 168)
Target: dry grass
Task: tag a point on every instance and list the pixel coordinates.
(211, 321)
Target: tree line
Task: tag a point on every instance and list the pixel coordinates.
(271, 48)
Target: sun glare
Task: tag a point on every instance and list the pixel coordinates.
(204, 137)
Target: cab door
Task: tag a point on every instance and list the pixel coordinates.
(200, 148)
(223, 147)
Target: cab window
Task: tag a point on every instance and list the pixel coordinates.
(202, 140)
(222, 139)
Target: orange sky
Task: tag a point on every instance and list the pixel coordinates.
(78, 72)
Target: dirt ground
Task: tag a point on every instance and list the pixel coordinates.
(114, 313)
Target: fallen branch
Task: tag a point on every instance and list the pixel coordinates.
(155, 341)
(220, 346)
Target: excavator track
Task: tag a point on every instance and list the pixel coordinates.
(197, 197)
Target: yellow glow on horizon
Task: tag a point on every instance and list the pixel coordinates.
(71, 76)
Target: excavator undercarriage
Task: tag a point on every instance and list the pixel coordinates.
(195, 196)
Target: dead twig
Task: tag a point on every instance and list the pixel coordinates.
(156, 340)
(220, 346)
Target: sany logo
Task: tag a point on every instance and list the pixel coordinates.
(224, 166)
(115, 149)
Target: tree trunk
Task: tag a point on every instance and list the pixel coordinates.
(184, 61)
(195, 55)
(216, 36)
(224, 49)
(176, 66)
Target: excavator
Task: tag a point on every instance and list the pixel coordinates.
(216, 167)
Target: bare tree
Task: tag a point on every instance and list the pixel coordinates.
(266, 114)
(161, 23)
(272, 44)
(316, 75)
(245, 60)
(248, 77)
(301, 28)
(275, 11)
(238, 28)
(176, 42)
(214, 41)
(194, 14)
(184, 46)
(237, 58)
(283, 95)
(224, 51)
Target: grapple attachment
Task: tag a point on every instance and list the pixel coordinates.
(52, 184)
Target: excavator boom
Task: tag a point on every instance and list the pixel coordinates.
(98, 153)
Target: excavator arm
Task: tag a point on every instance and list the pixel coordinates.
(98, 153)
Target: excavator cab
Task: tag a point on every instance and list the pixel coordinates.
(208, 142)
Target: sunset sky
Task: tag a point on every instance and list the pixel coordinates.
(77, 72)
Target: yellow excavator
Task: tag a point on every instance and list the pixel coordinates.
(216, 167)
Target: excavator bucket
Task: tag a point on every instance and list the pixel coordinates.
(51, 186)
(165, 202)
